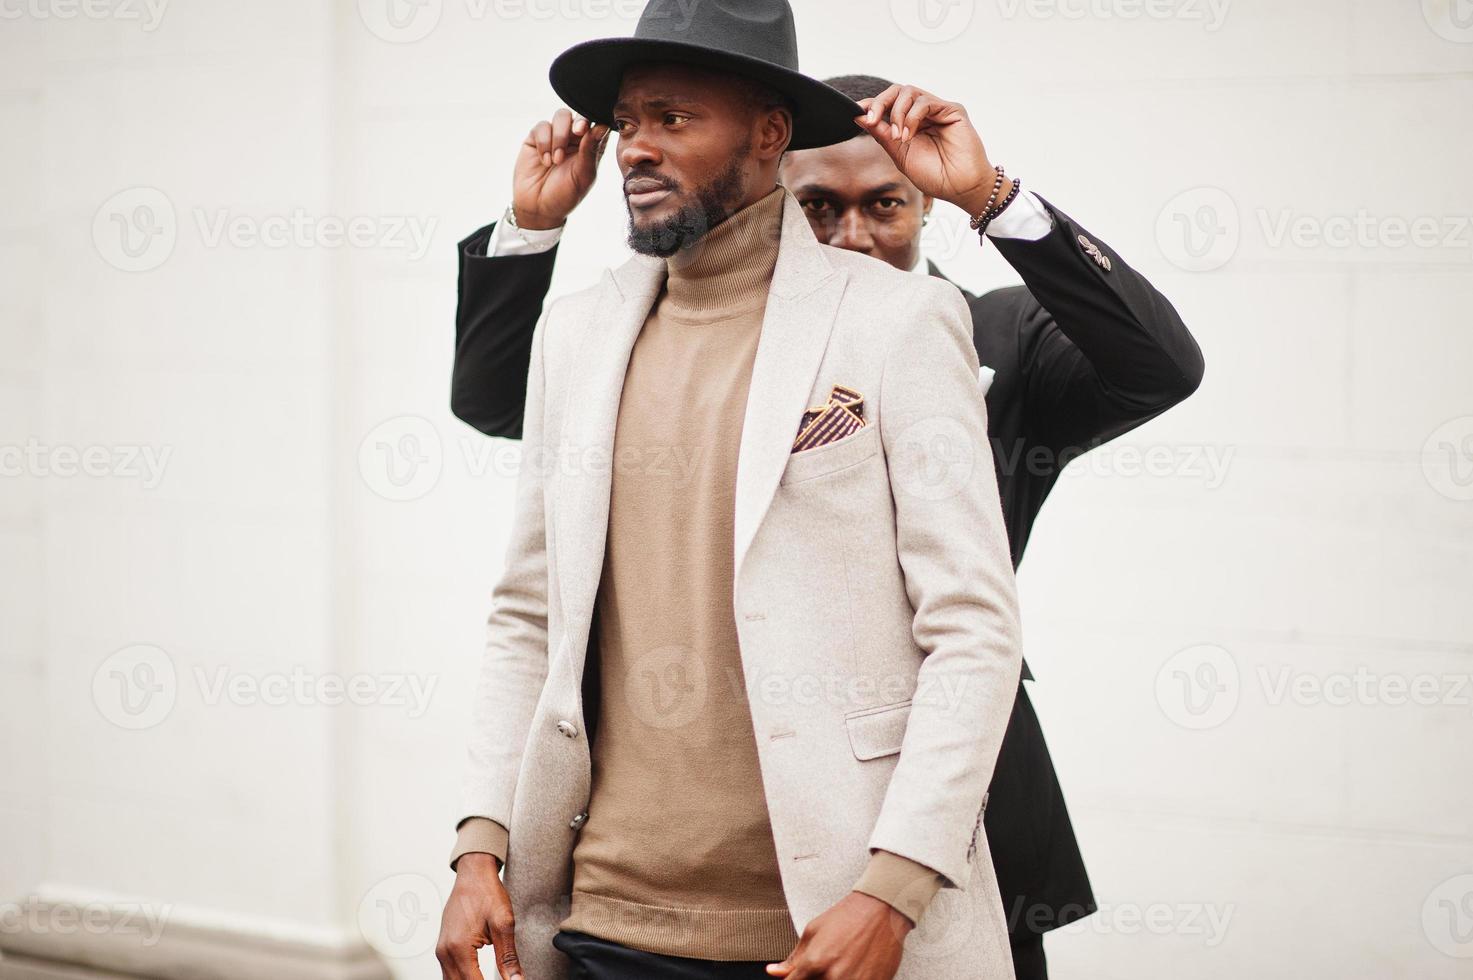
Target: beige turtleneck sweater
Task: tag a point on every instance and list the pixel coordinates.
(677, 854)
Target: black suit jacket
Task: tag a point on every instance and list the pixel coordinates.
(1085, 350)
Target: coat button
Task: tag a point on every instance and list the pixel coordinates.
(579, 820)
(567, 728)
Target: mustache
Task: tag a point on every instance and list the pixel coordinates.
(650, 175)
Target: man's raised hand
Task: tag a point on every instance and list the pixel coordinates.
(555, 169)
(933, 143)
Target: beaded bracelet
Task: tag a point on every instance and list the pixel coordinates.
(978, 220)
(988, 216)
(1002, 207)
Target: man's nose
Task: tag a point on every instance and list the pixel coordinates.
(636, 149)
(851, 231)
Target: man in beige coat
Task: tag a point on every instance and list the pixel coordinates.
(745, 682)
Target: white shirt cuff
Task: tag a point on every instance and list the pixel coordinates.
(1025, 218)
(530, 241)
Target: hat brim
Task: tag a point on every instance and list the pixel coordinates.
(587, 77)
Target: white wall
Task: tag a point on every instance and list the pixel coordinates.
(321, 510)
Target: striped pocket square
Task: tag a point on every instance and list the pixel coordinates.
(842, 416)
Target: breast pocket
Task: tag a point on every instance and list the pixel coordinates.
(810, 464)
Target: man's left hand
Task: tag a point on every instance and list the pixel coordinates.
(934, 144)
(860, 938)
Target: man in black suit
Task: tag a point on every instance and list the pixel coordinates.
(1085, 350)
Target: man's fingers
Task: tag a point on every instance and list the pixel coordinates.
(540, 139)
(562, 128)
(503, 937)
(923, 107)
(457, 961)
(802, 971)
(591, 144)
(449, 969)
(898, 109)
(880, 104)
(468, 967)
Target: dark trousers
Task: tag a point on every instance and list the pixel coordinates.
(599, 959)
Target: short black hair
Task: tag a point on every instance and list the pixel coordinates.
(859, 87)
(760, 97)
(763, 97)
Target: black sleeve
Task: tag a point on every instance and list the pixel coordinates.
(499, 302)
(1102, 351)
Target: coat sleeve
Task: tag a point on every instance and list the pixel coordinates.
(514, 664)
(499, 300)
(1102, 350)
(953, 552)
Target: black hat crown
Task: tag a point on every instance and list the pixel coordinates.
(753, 38)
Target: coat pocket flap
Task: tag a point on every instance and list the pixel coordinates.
(878, 731)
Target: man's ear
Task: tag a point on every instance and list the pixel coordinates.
(774, 133)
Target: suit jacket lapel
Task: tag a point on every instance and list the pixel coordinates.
(801, 306)
(585, 462)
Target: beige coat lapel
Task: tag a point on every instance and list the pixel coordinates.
(805, 295)
(592, 409)
(801, 306)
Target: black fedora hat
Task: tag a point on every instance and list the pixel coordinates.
(755, 38)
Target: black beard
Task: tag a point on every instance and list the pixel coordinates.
(713, 204)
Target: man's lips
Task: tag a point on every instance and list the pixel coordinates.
(644, 192)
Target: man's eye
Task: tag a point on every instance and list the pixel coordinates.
(619, 125)
(815, 206)
(675, 119)
(889, 203)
